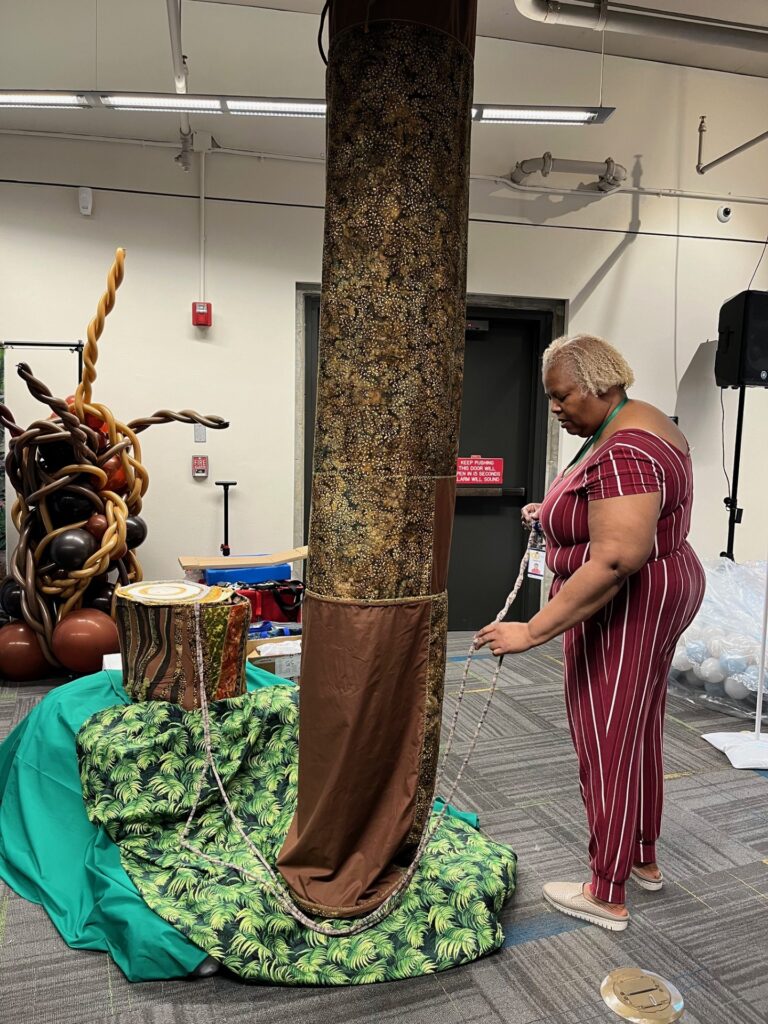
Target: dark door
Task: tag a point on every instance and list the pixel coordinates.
(503, 415)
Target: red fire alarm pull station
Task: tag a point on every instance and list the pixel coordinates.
(202, 314)
(200, 466)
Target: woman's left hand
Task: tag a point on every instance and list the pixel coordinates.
(505, 638)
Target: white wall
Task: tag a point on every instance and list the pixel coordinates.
(655, 293)
(52, 266)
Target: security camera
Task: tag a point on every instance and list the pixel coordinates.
(724, 214)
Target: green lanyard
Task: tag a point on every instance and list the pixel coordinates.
(592, 441)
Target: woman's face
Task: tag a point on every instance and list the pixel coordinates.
(578, 412)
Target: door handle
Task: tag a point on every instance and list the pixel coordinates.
(472, 491)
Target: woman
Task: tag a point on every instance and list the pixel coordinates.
(627, 584)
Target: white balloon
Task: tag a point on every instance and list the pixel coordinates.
(694, 676)
(710, 671)
(735, 689)
(715, 646)
(681, 662)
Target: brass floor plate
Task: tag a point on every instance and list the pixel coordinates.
(641, 996)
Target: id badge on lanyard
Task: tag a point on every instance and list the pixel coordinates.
(537, 558)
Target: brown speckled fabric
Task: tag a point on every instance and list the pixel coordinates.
(389, 392)
(457, 18)
(373, 535)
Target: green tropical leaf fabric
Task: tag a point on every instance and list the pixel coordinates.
(140, 765)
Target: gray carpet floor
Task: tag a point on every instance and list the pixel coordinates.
(707, 931)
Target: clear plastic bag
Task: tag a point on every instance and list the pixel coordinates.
(717, 660)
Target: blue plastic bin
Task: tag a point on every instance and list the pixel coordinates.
(259, 574)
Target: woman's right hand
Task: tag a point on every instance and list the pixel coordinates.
(530, 513)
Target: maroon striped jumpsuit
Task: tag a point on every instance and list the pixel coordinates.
(616, 663)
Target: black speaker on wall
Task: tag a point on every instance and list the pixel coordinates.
(742, 346)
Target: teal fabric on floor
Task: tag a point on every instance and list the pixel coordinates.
(452, 812)
(51, 854)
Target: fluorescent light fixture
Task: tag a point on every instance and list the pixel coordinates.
(263, 106)
(538, 116)
(276, 108)
(57, 100)
(541, 115)
(169, 103)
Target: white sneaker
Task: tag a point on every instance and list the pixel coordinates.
(569, 898)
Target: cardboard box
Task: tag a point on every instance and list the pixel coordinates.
(285, 663)
(190, 563)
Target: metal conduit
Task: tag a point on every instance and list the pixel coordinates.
(610, 175)
(645, 22)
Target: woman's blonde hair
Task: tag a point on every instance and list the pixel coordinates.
(596, 365)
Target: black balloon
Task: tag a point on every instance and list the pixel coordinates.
(10, 598)
(99, 596)
(69, 508)
(72, 548)
(56, 455)
(39, 529)
(135, 531)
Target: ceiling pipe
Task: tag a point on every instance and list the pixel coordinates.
(603, 16)
(180, 76)
(610, 174)
(651, 193)
(702, 168)
(180, 70)
(201, 224)
(159, 144)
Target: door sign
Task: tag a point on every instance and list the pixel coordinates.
(478, 470)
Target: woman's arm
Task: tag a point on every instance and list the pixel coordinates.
(622, 534)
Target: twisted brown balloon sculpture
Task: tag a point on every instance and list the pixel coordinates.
(85, 455)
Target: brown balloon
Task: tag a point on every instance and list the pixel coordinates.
(20, 656)
(97, 526)
(81, 640)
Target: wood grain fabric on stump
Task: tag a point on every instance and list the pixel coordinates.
(158, 643)
(399, 89)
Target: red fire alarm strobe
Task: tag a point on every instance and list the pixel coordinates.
(202, 314)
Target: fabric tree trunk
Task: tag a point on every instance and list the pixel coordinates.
(393, 309)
